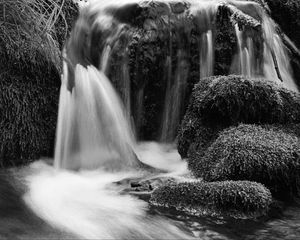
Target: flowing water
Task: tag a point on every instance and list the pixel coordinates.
(92, 129)
(92, 205)
(260, 53)
(274, 63)
(95, 137)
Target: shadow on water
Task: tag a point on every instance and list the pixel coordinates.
(17, 221)
(285, 225)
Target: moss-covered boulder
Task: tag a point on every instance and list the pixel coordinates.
(30, 65)
(233, 99)
(222, 101)
(237, 199)
(254, 153)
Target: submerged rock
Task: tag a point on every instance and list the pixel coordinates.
(254, 153)
(238, 199)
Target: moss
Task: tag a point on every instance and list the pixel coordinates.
(293, 129)
(254, 153)
(28, 117)
(66, 20)
(193, 127)
(30, 80)
(222, 101)
(229, 198)
(233, 99)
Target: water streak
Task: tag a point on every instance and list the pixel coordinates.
(92, 128)
(270, 60)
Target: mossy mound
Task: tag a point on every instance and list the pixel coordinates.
(254, 153)
(233, 99)
(222, 101)
(237, 199)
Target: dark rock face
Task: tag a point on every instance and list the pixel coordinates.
(238, 199)
(160, 32)
(287, 14)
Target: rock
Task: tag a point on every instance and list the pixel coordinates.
(222, 101)
(250, 152)
(238, 199)
(178, 7)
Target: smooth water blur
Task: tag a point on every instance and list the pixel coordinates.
(90, 205)
(92, 129)
(274, 54)
(95, 138)
(259, 52)
(175, 94)
(274, 42)
(162, 156)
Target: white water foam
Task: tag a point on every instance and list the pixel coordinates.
(90, 206)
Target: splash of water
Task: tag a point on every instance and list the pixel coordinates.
(89, 204)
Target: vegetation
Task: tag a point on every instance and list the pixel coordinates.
(233, 99)
(222, 101)
(250, 152)
(195, 133)
(28, 119)
(32, 34)
(228, 198)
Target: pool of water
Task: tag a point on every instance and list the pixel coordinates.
(286, 225)
(55, 204)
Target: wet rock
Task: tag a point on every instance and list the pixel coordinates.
(178, 7)
(223, 101)
(254, 153)
(237, 199)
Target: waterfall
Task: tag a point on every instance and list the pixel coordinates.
(204, 13)
(272, 63)
(174, 97)
(273, 42)
(93, 130)
(246, 61)
(207, 54)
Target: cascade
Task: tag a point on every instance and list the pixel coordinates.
(93, 128)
